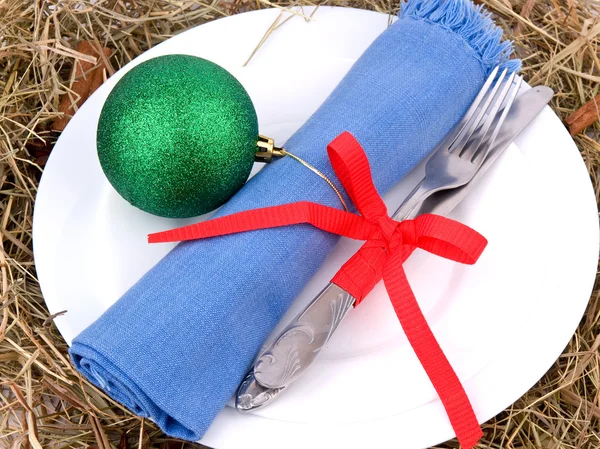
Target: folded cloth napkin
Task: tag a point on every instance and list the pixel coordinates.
(175, 347)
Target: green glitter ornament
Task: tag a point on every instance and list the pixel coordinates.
(177, 136)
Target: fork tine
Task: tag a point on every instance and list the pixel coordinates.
(481, 142)
(474, 123)
(455, 133)
(509, 104)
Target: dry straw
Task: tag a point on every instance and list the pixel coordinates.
(43, 402)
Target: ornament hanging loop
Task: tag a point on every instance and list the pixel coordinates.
(267, 150)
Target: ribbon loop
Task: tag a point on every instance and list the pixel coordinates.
(387, 245)
(444, 238)
(351, 166)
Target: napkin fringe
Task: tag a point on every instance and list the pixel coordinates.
(472, 23)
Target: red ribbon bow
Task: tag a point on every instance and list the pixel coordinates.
(388, 244)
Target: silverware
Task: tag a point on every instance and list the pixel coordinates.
(288, 356)
(452, 164)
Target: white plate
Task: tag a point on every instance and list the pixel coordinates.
(502, 322)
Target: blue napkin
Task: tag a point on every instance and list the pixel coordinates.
(175, 347)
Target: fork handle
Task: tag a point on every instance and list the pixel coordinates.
(414, 198)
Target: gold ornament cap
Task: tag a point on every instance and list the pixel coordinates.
(267, 150)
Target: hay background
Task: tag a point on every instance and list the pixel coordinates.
(43, 402)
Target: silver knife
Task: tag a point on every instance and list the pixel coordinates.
(288, 355)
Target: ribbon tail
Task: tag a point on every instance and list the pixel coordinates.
(323, 217)
(430, 354)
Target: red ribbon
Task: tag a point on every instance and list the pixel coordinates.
(388, 244)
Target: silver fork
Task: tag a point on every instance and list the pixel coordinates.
(455, 163)
(452, 164)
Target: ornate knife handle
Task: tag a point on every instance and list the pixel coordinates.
(301, 342)
(285, 359)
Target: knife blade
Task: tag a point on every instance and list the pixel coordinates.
(287, 356)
